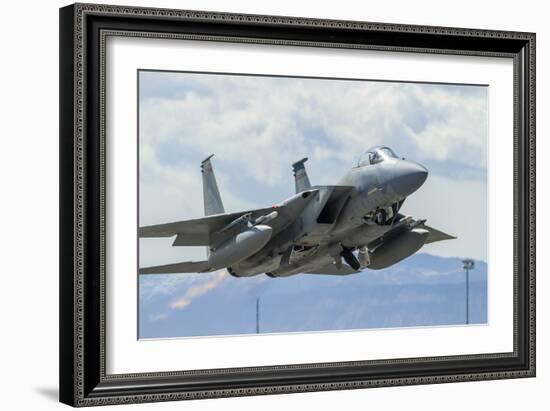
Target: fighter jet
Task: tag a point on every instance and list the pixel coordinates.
(336, 230)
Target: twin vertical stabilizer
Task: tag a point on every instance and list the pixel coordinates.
(301, 180)
(212, 200)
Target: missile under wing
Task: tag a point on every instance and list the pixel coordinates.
(230, 237)
(198, 231)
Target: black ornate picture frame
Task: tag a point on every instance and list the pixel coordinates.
(83, 31)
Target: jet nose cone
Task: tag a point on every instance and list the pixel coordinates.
(408, 177)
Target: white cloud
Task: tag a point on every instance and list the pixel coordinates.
(157, 317)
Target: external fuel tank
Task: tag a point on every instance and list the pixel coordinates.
(240, 246)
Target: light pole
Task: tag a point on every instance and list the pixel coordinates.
(468, 265)
(257, 315)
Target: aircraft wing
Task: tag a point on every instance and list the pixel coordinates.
(435, 235)
(206, 230)
(402, 223)
(196, 231)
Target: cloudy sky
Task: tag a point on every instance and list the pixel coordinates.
(257, 126)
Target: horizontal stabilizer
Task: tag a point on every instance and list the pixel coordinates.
(332, 269)
(185, 267)
(403, 223)
(435, 235)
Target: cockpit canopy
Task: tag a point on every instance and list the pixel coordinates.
(375, 155)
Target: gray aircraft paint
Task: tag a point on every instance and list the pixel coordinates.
(356, 220)
(211, 195)
(301, 178)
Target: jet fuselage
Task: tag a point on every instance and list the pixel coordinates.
(353, 216)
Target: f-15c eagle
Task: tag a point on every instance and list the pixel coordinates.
(340, 229)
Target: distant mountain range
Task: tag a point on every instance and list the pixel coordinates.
(422, 290)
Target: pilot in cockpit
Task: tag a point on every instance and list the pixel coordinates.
(376, 155)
